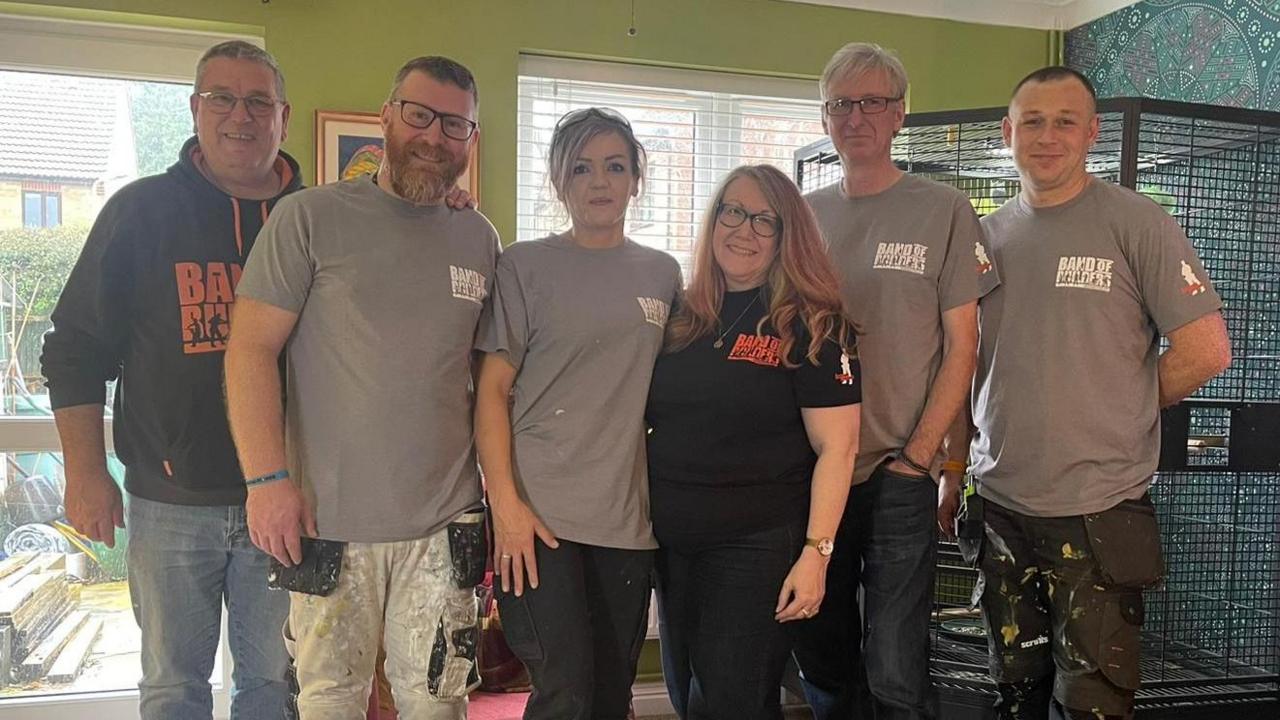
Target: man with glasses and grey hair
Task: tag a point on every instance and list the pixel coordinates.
(913, 264)
(375, 287)
(147, 305)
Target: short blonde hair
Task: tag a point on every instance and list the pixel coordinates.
(857, 59)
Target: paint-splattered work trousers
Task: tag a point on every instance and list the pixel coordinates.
(1062, 601)
(420, 600)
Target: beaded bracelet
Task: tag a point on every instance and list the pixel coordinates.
(264, 479)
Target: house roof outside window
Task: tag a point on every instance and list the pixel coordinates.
(67, 129)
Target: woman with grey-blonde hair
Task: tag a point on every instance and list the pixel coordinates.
(576, 322)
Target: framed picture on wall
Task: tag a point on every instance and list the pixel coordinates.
(349, 144)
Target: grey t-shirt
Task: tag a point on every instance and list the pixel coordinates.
(1066, 398)
(378, 413)
(583, 328)
(904, 256)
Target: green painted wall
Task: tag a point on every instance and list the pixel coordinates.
(341, 54)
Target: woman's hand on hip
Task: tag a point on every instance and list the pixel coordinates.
(515, 528)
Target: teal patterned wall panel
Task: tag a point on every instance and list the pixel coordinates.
(1223, 52)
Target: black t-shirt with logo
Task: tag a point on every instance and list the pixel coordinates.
(727, 447)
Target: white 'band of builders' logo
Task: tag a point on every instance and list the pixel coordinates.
(1082, 271)
(467, 284)
(901, 256)
(655, 310)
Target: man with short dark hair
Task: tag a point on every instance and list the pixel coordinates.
(147, 303)
(375, 287)
(1069, 385)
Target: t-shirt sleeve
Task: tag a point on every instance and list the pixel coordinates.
(968, 271)
(281, 268)
(1174, 285)
(835, 380)
(504, 327)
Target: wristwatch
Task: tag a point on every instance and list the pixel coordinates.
(825, 546)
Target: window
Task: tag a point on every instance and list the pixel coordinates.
(41, 209)
(87, 107)
(88, 639)
(695, 127)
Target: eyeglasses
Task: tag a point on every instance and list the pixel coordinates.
(868, 105)
(224, 103)
(420, 116)
(732, 216)
(574, 117)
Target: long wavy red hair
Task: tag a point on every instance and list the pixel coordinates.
(801, 282)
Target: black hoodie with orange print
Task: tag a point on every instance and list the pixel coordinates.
(149, 304)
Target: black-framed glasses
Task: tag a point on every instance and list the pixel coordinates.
(732, 216)
(574, 117)
(224, 103)
(869, 105)
(421, 116)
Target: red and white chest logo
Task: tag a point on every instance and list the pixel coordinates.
(756, 349)
(1191, 284)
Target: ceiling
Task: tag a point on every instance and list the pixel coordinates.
(1040, 14)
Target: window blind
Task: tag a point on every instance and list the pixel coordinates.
(695, 127)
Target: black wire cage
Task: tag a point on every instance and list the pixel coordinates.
(1211, 640)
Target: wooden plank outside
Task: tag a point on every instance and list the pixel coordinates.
(13, 563)
(39, 660)
(72, 658)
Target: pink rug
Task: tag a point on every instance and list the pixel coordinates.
(496, 706)
(483, 706)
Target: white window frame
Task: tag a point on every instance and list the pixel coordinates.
(130, 52)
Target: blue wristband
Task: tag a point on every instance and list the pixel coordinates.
(264, 479)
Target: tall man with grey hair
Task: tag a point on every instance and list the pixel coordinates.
(913, 264)
(375, 286)
(1067, 400)
(146, 305)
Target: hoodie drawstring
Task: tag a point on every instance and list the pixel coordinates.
(235, 207)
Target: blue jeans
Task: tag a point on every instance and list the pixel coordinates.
(887, 544)
(184, 562)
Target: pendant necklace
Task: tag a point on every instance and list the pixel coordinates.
(719, 343)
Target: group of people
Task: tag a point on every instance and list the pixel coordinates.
(771, 439)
